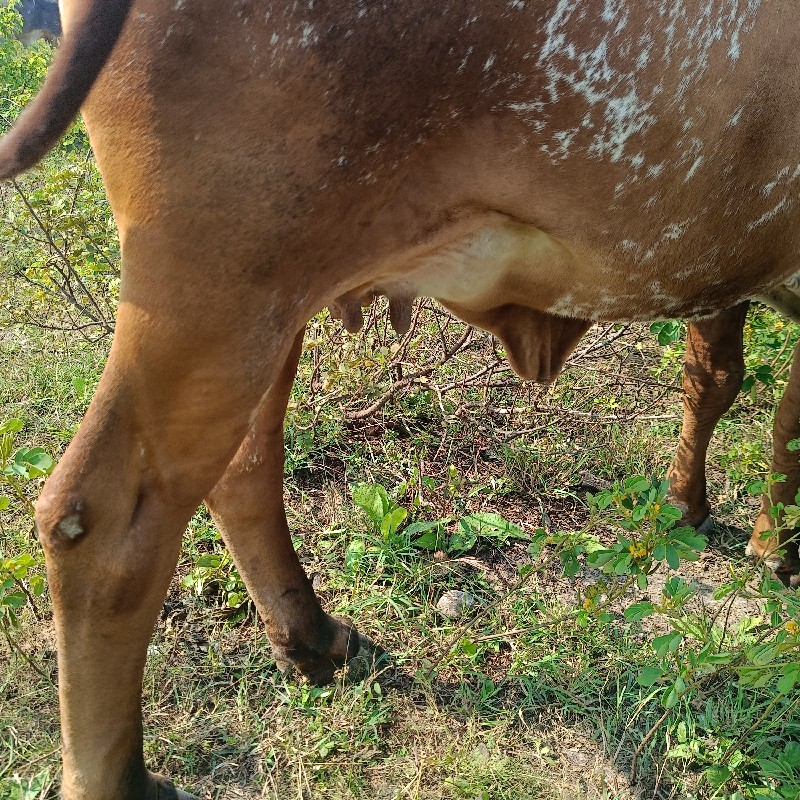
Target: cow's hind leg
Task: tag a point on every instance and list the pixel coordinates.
(247, 505)
(712, 376)
(174, 403)
(764, 543)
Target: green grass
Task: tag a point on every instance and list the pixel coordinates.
(536, 708)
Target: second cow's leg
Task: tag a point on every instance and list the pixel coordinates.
(247, 505)
(712, 377)
(786, 462)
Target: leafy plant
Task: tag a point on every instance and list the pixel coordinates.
(60, 256)
(216, 574)
(19, 466)
(667, 331)
(21, 578)
(452, 537)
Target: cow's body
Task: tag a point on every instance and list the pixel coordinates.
(533, 165)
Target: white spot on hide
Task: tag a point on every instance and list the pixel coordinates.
(71, 526)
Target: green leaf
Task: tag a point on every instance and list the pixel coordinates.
(673, 558)
(79, 385)
(432, 540)
(668, 643)
(493, 526)
(421, 527)
(671, 698)
(373, 500)
(718, 775)
(764, 654)
(754, 676)
(790, 676)
(638, 611)
(602, 499)
(463, 539)
(34, 460)
(622, 566)
(669, 513)
(667, 331)
(636, 484)
(468, 647)
(14, 599)
(209, 561)
(11, 426)
(5, 502)
(392, 521)
(649, 675)
(689, 537)
(600, 557)
(354, 554)
(432, 536)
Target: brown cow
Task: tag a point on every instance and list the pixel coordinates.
(533, 164)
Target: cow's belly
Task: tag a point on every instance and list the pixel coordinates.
(785, 298)
(506, 262)
(539, 292)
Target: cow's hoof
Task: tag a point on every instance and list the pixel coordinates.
(699, 519)
(346, 646)
(370, 658)
(786, 567)
(770, 557)
(168, 791)
(704, 525)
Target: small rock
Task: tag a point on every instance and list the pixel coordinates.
(578, 757)
(454, 604)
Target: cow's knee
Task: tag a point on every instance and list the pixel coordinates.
(111, 529)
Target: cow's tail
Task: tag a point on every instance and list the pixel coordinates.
(80, 57)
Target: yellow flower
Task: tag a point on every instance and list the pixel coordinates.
(637, 550)
(588, 604)
(792, 627)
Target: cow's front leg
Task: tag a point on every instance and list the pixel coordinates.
(247, 505)
(712, 377)
(764, 543)
(173, 405)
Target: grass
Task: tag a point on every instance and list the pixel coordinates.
(524, 709)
